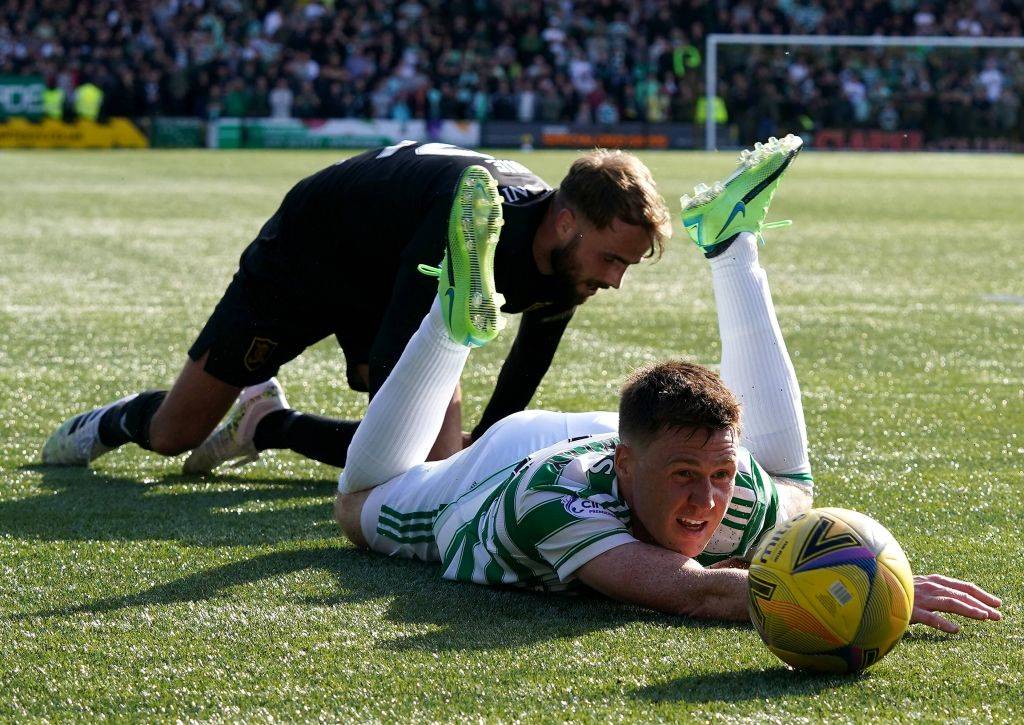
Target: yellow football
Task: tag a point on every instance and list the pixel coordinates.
(831, 591)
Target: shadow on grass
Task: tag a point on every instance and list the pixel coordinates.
(920, 633)
(86, 506)
(741, 685)
(228, 511)
(83, 505)
(466, 617)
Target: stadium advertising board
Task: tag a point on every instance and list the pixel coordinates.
(576, 136)
(869, 139)
(49, 134)
(335, 133)
(21, 96)
(177, 132)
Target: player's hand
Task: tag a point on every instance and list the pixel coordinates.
(935, 593)
(467, 439)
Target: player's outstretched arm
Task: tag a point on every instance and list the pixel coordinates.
(934, 593)
(669, 582)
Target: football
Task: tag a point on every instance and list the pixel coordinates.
(830, 591)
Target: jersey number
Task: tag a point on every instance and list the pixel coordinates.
(433, 149)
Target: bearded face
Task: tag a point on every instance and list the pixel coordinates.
(594, 259)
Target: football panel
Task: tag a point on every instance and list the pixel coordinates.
(895, 562)
(776, 550)
(819, 610)
(886, 615)
(888, 600)
(837, 595)
(833, 571)
(838, 661)
(872, 534)
(783, 621)
(825, 539)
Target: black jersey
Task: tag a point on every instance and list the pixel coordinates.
(342, 231)
(346, 241)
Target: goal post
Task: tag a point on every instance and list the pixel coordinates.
(715, 40)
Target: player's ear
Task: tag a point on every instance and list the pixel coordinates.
(625, 460)
(565, 223)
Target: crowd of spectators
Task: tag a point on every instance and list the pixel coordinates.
(587, 61)
(955, 98)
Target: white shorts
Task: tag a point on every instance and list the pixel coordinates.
(410, 502)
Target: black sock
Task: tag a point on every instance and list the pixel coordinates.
(322, 439)
(129, 421)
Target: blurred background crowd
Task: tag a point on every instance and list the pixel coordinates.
(587, 61)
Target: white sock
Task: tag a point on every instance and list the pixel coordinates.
(405, 416)
(755, 363)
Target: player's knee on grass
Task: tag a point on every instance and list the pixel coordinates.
(190, 411)
(348, 511)
(174, 441)
(171, 434)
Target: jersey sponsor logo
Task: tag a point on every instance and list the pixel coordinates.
(259, 351)
(584, 508)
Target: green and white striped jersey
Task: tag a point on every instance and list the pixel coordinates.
(753, 511)
(536, 525)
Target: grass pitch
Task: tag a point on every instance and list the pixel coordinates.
(133, 592)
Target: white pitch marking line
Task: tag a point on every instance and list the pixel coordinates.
(1012, 299)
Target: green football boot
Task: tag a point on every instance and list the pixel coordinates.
(715, 215)
(465, 279)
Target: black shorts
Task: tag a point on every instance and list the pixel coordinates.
(254, 330)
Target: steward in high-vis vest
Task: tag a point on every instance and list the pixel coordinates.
(88, 101)
(53, 101)
(721, 113)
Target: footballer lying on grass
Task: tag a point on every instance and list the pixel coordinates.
(635, 508)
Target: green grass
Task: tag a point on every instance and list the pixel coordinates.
(132, 592)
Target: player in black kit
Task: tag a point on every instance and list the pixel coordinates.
(340, 257)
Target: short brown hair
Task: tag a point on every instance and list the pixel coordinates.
(605, 185)
(674, 394)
